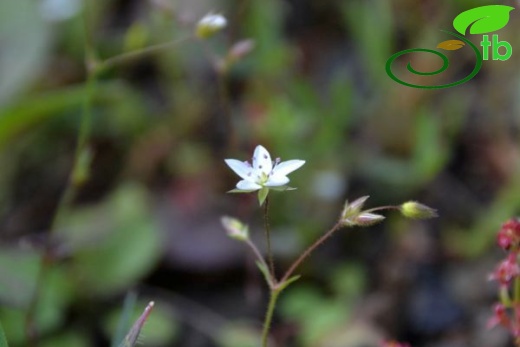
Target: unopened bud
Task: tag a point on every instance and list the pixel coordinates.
(415, 210)
(235, 228)
(209, 25)
(240, 49)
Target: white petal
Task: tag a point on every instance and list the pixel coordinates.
(262, 160)
(286, 167)
(248, 186)
(244, 170)
(276, 181)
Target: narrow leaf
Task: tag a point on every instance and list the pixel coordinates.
(483, 19)
(133, 334)
(451, 45)
(289, 282)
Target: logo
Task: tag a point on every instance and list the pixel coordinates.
(479, 20)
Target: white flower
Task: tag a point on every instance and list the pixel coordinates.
(210, 24)
(262, 173)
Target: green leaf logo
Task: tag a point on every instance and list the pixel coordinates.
(483, 19)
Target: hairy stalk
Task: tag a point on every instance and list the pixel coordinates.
(273, 298)
(308, 252)
(268, 238)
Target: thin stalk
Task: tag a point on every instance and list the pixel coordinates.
(125, 57)
(308, 252)
(389, 207)
(273, 298)
(268, 238)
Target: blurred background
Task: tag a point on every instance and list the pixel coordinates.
(310, 84)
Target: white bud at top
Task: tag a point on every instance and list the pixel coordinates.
(210, 24)
(235, 228)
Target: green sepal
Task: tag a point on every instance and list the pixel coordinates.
(239, 191)
(282, 188)
(262, 195)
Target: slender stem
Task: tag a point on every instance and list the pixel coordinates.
(124, 57)
(389, 207)
(268, 238)
(308, 251)
(269, 315)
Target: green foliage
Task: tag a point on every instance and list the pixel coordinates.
(238, 334)
(3, 341)
(116, 243)
(160, 328)
(315, 313)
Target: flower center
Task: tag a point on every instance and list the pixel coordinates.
(262, 178)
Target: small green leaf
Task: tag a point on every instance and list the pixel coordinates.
(3, 341)
(483, 19)
(289, 282)
(451, 45)
(239, 191)
(262, 195)
(265, 271)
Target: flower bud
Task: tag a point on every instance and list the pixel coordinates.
(235, 228)
(209, 25)
(367, 219)
(240, 49)
(508, 236)
(415, 210)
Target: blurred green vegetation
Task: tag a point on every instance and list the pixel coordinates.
(314, 87)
